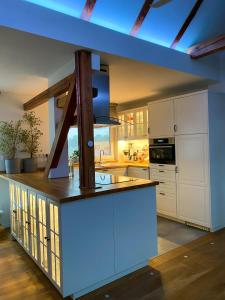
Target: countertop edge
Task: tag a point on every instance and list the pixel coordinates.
(103, 190)
(111, 191)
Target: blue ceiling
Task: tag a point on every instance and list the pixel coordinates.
(160, 26)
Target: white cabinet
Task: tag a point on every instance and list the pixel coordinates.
(192, 159)
(191, 114)
(134, 124)
(138, 172)
(115, 171)
(193, 204)
(161, 119)
(166, 190)
(199, 120)
(193, 178)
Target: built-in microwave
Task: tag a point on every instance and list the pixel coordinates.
(162, 151)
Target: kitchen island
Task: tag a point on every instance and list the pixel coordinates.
(83, 239)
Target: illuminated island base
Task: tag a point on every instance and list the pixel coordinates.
(85, 239)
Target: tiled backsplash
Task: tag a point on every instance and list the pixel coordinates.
(138, 150)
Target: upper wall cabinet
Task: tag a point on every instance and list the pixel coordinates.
(191, 114)
(161, 119)
(133, 124)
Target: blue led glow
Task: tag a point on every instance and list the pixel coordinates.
(68, 7)
(160, 26)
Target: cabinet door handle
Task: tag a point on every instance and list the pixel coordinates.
(47, 238)
(14, 211)
(161, 165)
(28, 223)
(176, 169)
(163, 194)
(175, 127)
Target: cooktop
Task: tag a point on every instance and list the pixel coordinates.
(103, 179)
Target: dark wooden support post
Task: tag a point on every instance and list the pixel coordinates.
(83, 71)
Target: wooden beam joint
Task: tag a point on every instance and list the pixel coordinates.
(208, 47)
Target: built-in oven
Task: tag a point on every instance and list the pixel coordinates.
(162, 151)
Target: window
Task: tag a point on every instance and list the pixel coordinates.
(102, 140)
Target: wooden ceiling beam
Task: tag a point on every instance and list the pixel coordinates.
(141, 16)
(57, 89)
(88, 10)
(186, 23)
(62, 128)
(208, 47)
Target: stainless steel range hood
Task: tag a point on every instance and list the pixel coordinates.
(104, 112)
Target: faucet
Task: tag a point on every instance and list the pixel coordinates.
(101, 154)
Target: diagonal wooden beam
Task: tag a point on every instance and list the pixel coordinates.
(59, 88)
(186, 23)
(63, 128)
(141, 16)
(88, 9)
(207, 47)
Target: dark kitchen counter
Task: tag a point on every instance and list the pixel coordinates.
(67, 189)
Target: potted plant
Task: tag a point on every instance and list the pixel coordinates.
(2, 162)
(10, 141)
(30, 139)
(74, 158)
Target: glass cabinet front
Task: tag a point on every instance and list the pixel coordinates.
(43, 237)
(33, 225)
(26, 223)
(13, 209)
(55, 248)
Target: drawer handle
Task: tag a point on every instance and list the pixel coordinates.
(161, 165)
(144, 169)
(161, 182)
(163, 194)
(161, 171)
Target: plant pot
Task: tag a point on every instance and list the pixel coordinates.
(30, 165)
(13, 166)
(2, 165)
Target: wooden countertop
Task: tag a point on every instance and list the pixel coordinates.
(67, 189)
(114, 165)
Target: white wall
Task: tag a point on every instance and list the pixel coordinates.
(11, 108)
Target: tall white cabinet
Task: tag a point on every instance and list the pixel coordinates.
(197, 123)
(192, 158)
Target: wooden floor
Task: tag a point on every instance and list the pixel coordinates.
(194, 271)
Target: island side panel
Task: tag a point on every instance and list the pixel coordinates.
(135, 228)
(95, 249)
(87, 235)
(4, 203)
